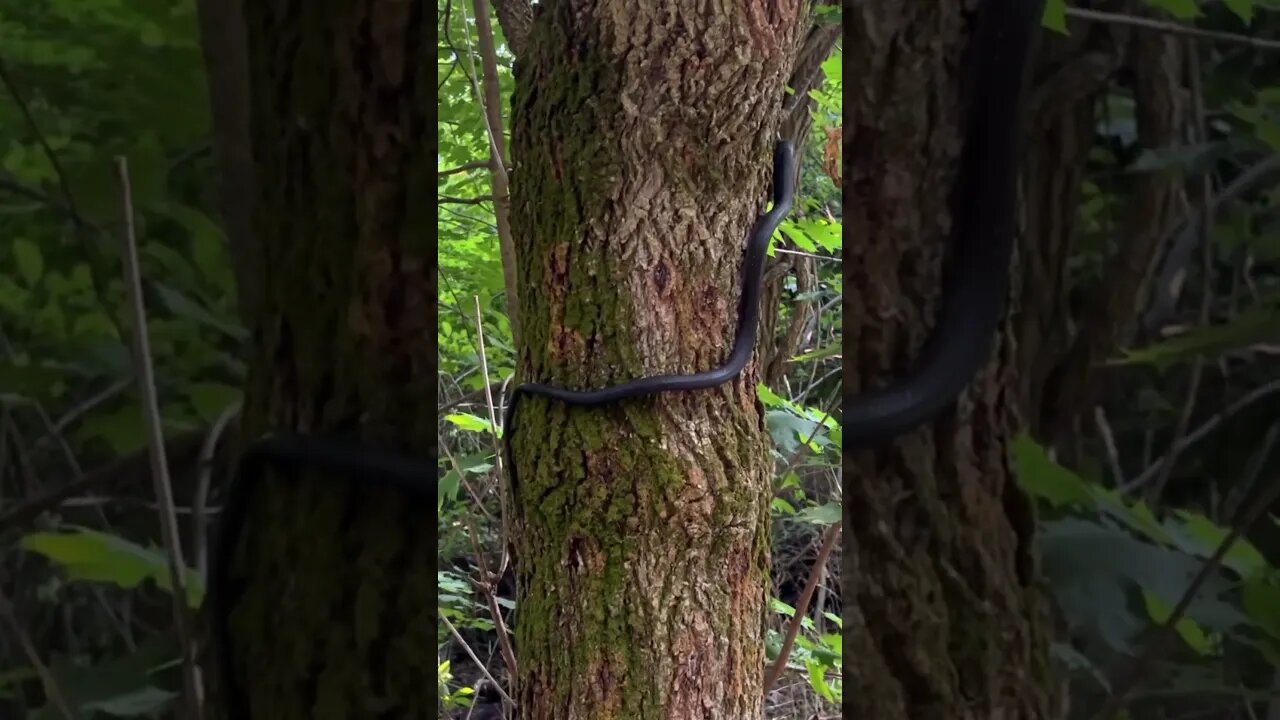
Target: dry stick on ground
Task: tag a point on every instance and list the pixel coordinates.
(802, 606)
(1264, 495)
(52, 692)
(159, 464)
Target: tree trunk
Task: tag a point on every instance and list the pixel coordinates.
(942, 617)
(337, 621)
(642, 134)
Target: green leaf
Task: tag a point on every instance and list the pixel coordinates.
(471, 423)
(184, 307)
(447, 489)
(29, 259)
(1190, 632)
(1043, 478)
(818, 681)
(118, 687)
(101, 557)
(1055, 16)
(1243, 9)
(1258, 324)
(833, 69)
(826, 514)
(1261, 602)
(1207, 537)
(769, 398)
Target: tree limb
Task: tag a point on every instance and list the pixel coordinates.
(515, 17)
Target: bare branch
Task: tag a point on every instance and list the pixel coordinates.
(159, 463)
(1170, 28)
(802, 606)
(515, 17)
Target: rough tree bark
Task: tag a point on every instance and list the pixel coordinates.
(642, 134)
(338, 620)
(942, 616)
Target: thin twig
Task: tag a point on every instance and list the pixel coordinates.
(490, 100)
(462, 479)
(471, 654)
(51, 689)
(199, 503)
(83, 408)
(465, 167)
(480, 200)
(1109, 440)
(1205, 231)
(1171, 28)
(491, 600)
(802, 606)
(493, 431)
(159, 463)
(1204, 430)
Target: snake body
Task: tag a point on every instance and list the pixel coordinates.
(975, 279)
(744, 339)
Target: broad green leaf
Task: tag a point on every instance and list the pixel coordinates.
(1045, 479)
(470, 423)
(123, 687)
(768, 398)
(826, 514)
(1055, 16)
(1261, 601)
(447, 488)
(1242, 557)
(1258, 324)
(818, 681)
(1093, 568)
(1243, 9)
(1190, 632)
(101, 557)
(184, 307)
